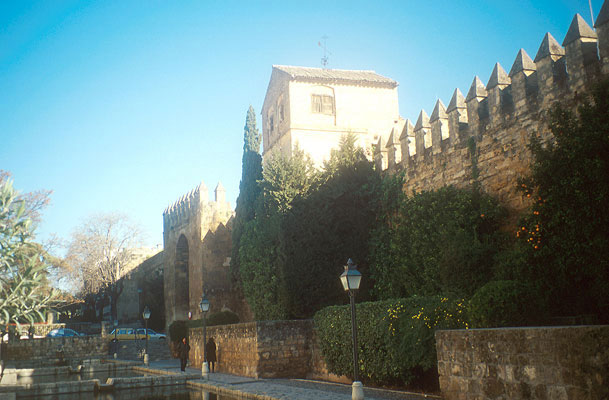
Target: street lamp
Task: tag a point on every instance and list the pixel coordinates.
(115, 339)
(204, 307)
(146, 315)
(351, 279)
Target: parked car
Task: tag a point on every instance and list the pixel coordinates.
(64, 332)
(129, 334)
(151, 334)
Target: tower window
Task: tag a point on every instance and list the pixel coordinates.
(322, 104)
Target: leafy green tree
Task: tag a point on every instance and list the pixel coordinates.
(326, 228)
(249, 190)
(259, 270)
(567, 232)
(24, 292)
(440, 242)
(284, 179)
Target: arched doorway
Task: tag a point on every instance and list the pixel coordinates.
(182, 294)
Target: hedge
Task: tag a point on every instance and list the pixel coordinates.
(217, 318)
(505, 303)
(396, 341)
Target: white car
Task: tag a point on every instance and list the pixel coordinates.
(151, 334)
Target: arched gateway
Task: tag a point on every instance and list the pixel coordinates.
(197, 247)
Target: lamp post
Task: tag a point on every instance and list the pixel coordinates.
(146, 315)
(351, 279)
(115, 338)
(204, 307)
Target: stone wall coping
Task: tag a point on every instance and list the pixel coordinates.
(522, 328)
(256, 323)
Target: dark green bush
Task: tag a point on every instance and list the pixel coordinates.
(395, 337)
(223, 318)
(178, 330)
(504, 303)
(441, 242)
(217, 318)
(566, 227)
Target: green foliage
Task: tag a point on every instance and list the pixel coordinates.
(322, 231)
(217, 318)
(504, 303)
(566, 230)
(222, 318)
(440, 242)
(178, 330)
(307, 225)
(395, 337)
(286, 178)
(251, 135)
(24, 295)
(249, 189)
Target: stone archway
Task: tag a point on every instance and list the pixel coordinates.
(182, 294)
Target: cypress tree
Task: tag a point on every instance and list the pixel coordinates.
(249, 190)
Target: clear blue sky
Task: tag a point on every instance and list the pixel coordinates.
(127, 105)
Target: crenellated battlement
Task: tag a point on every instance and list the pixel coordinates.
(194, 203)
(497, 119)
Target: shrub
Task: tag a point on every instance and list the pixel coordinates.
(217, 318)
(433, 243)
(566, 227)
(395, 337)
(223, 318)
(504, 303)
(178, 330)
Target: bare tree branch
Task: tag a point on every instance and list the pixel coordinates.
(101, 252)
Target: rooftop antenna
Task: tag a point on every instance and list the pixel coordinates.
(324, 59)
(591, 13)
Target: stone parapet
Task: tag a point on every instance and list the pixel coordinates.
(524, 363)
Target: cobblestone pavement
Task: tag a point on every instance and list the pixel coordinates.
(278, 389)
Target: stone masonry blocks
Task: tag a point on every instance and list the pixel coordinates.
(524, 363)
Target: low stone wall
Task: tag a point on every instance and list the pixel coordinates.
(284, 348)
(524, 363)
(264, 349)
(135, 349)
(47, 349)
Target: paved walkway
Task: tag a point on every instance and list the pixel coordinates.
(276, 389)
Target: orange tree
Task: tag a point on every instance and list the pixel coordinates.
(566, 233)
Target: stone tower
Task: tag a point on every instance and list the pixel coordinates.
(197, 247)
(313, 108)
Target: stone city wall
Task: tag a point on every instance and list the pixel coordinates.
(492, 126)
(264, 349)
(197, 250)
(524, 363)
(143, 286)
